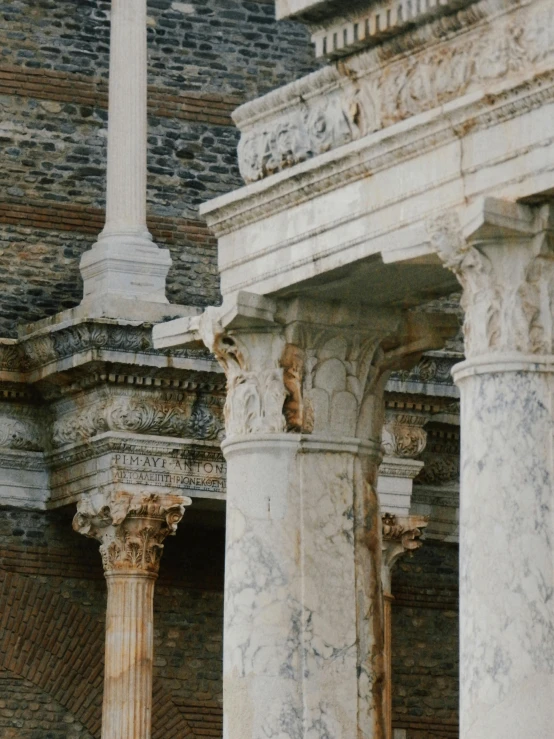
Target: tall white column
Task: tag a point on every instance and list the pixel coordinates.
(125, 263)
(131, 529)
(503, 255)
(303, 627)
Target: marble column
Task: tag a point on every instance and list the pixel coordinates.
(125, 263)
(131, 529)
(503, 255)
(400, 535)
(303, 626)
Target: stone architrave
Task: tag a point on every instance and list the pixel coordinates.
(124, 262)
(131, 529)
(400, 534)
(503, 255)
(303, 625)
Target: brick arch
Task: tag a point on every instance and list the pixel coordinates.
(59, 647)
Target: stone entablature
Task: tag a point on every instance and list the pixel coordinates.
(339, 28)
(474, 51)
(89, 404)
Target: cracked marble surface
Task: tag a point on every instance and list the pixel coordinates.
(507, 557)
(295, 667)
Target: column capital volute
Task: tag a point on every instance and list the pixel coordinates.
(131, 528)
(502, 253)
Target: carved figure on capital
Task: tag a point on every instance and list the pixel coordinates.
(131, 528)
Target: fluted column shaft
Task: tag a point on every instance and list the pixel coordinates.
(127, 707)
(131, 529)
(126, 180)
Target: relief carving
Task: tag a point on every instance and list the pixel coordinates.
(370, 94)
(131, 528)
(146, 415)
(404, 435)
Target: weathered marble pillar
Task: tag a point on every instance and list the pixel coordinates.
(131, 529)
(125, 263)
(503, 255)
(303, 627)
(400, 535)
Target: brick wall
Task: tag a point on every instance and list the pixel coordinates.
(52, 610)
(205, 58)
(425, 643)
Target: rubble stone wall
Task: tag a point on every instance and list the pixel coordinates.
(205, 58)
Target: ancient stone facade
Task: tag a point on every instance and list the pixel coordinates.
(98, 416)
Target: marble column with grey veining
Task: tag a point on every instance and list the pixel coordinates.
(303, 623)
(125, 263)
(131, 529)
(503, 255)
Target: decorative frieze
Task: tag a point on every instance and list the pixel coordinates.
(375, 89)
(136, 412)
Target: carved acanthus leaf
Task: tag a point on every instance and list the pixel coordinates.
(508, 294)
(138, 415)
(131, 528)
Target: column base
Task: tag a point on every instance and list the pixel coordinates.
(124, 266)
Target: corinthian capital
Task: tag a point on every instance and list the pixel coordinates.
(131, 528)
(306, 366)
(503, 256)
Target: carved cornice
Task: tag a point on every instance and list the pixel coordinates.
(46, 346)
(131, 529)
(371, 91)
(430, 371)
(503, 256)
